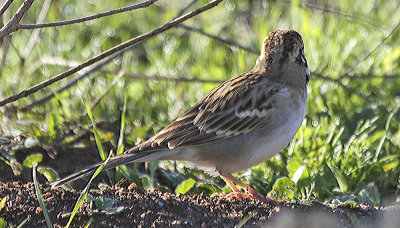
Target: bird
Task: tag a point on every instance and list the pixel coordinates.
(243, 122)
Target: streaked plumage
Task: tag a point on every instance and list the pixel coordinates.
(242, 122)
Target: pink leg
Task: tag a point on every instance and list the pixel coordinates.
(231, 180)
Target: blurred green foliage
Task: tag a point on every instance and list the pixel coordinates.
(347, 148)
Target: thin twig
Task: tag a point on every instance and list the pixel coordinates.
(12, 25)
(109, 52)
(373, 76)
(160, 78)
(74, 81)
(70, 63)
(346, 74)
(57, 61)
(229, 42)
(88, 18)
(36, 32)
(5, 6)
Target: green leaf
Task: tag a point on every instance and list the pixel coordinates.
(50, 174)
(85, 191)
(147, 183)
(5, 161)
(339, 177)
(299, 172)
(120, 147)
(89, 222)
(95, 132)
(345, 200)
(40, 198)
(226, 189)
(37, 132)
(246, 219)
(3, 202)
(31, 159)
(23, 223)
(106, 136)
(369, 194)
(207, 189)
(390, 166)
(185, 186)
(282, 189)
(3, 223)
(104, 205)
(153, 166)
(52, 126)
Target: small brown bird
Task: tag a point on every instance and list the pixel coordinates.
(239, 124)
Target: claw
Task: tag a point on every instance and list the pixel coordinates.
(238, 195)
(231, 181)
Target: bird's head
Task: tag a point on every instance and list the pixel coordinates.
(282, 56)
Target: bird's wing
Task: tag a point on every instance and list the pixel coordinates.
(237, 106)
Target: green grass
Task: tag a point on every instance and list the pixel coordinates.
(85, 191)
(347, 149)
(39, 196)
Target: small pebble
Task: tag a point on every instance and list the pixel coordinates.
(38, 210)
(166, 196)
(160, 202)
(132, 186)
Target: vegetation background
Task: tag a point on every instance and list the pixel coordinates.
(346, 152)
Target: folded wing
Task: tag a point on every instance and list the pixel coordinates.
(236, 107)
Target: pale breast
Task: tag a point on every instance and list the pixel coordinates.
(268, 143)
(261, 145)
(247, 150)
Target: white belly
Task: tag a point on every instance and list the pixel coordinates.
(247, 150)
(272, 142)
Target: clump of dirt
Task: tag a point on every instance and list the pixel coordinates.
(147, 209)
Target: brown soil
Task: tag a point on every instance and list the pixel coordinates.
(147, 209)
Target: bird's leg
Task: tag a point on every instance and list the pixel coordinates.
(231, 180)
(230, 184)
(236, 193)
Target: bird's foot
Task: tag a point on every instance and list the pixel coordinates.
(238, 195)
(264, 199)
(233, 195)
(252, 195)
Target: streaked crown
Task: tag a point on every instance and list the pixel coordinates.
(282, 55)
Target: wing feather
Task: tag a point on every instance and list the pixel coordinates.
(236, 107)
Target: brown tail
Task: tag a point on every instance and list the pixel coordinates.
(113, 162)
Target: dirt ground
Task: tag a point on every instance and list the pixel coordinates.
(138, 208)
(155, 209)
(134, 207)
